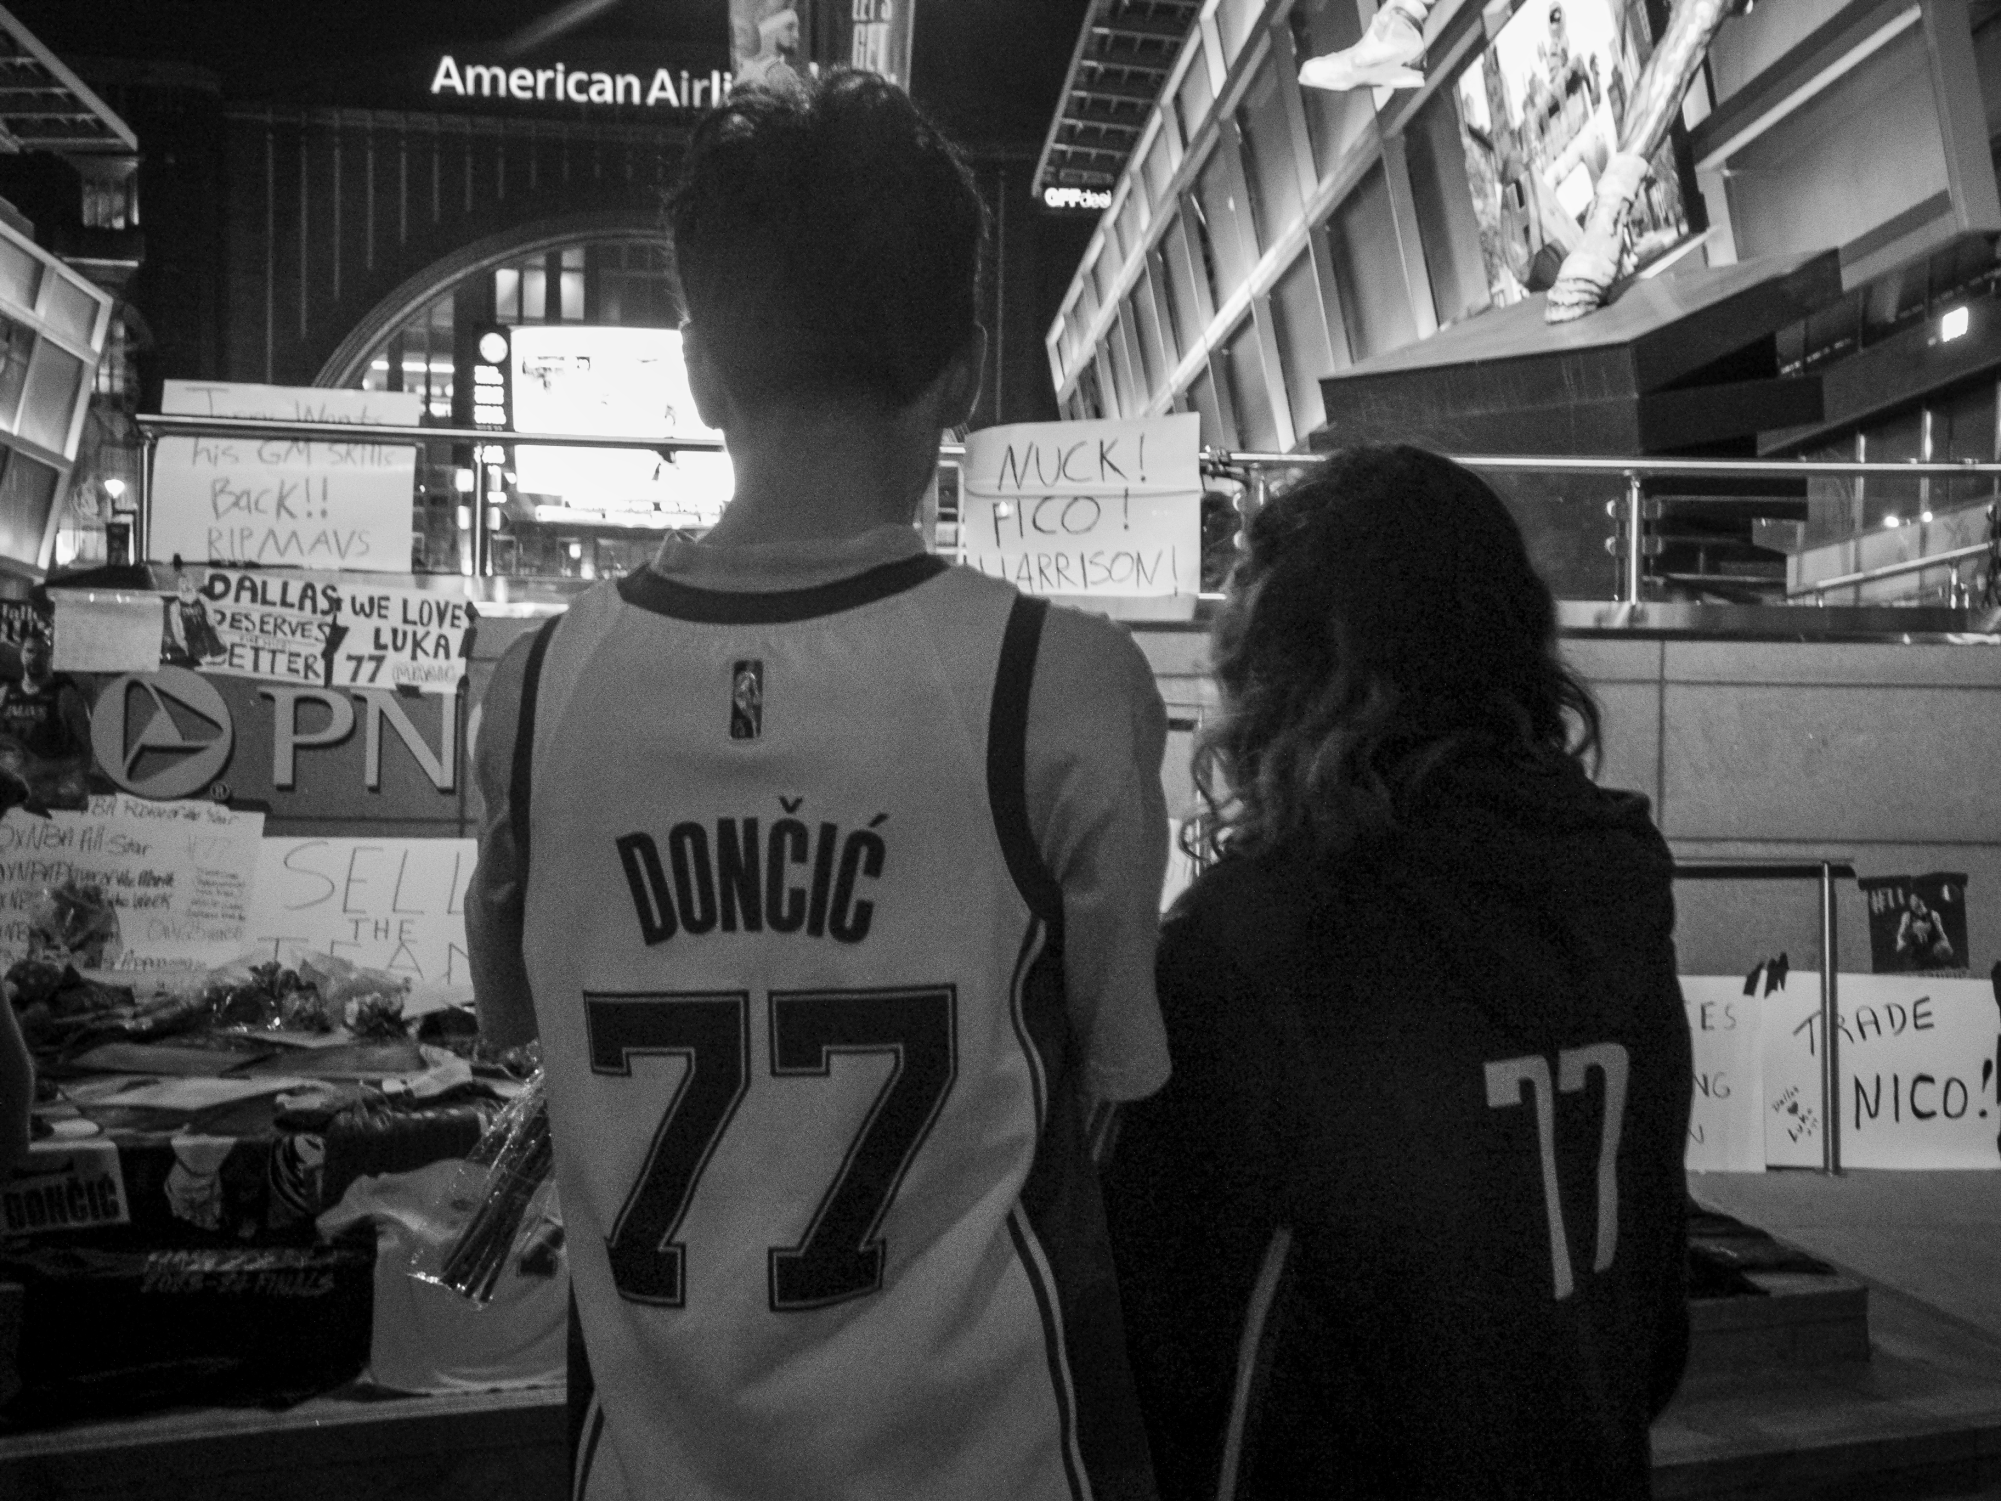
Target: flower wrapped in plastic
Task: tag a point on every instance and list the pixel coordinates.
(495, 1204)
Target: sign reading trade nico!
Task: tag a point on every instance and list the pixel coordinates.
(1086, 508)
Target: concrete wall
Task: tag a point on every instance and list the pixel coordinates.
(1886, 756)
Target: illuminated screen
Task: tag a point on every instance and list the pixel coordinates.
(1540, 112)
(610, 382)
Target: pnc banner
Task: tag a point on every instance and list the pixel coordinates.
(295, 751)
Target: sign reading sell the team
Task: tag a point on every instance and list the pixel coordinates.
(330, 634)
(283, 501)
(1918, 1085)
(389, 904)
(1086, 508)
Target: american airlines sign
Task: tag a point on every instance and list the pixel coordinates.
(664, 89)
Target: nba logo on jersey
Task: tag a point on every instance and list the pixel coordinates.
(747, 700)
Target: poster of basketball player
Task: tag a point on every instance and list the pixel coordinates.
(1917, 924)
(1539, 117)
(775, 42)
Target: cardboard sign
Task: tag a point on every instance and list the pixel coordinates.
(61, 1186)
(1086, 508)
(178, 874)
(391, 904)
(278, 501)
(286, 628)
(1726, 1124)
(1919, 1059)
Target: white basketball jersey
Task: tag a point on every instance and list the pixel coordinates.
(798, 977)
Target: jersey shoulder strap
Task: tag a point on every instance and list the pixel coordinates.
(522, 779)
(1007, 758)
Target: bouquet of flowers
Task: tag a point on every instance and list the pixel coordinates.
(494, 1204)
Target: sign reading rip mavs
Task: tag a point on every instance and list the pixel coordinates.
(281, 501)
(1086, 508)
(296, 751)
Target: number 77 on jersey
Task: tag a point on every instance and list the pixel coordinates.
(1507, 1078)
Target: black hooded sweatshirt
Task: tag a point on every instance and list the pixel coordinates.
(1408, 1220)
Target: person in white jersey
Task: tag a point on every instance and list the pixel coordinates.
(827, 876)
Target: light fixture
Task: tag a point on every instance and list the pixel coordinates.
(1954, 323)
(115, 488)
(493, 346)
(1924, 515)
(1893, 522)
(576, 549)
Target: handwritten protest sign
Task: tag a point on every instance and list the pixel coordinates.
(278, 500)
(326, 633)
(1726, 1124)
(178, 874)
(1918, 1073)
(392, 904)
(1086, 508)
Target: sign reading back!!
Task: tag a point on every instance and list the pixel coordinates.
(278, 500)
(1086, 508)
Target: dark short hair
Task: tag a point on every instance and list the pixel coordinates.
(1383, 620)
(828, 241)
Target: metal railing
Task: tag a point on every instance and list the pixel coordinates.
(1825, 873)
(1951, 557)
(1252, 468)
(1636, 472)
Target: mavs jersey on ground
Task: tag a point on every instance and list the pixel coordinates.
(807, 874)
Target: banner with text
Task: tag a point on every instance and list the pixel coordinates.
(1919, 1061)
(1086, 508)
(330, 634)
(178, 875)
(280, 500)
(391, 904)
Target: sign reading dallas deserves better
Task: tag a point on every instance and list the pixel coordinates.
(1086, 508)
(276, 501)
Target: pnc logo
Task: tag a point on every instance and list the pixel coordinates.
(163, 734)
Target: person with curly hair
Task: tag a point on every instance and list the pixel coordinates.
(1408, 1220)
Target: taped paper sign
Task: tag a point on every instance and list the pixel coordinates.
(1086, 508)
(177, 873)
(1726, 1131)
(278, 500)
(328, 634)
(1919, 1071)
(105, 631)
(65, 1186)
(391, 904)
